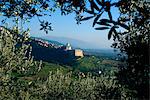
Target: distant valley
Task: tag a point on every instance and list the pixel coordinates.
(74, 42)
(58, 41)
(107, 53)
(94, 60)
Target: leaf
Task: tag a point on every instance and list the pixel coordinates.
(96, 7)
(106, 20)
(99, 2)
(86, 18)
(102, 28)
(97, 17)
(115, 23)
(103, 1)
(41, 28)
(115, 32)
(103, 23)
(125, 19)
(90, 12)
(109, 14)
(30, 83)
(93, 5)
(110, 33)
(116, 26)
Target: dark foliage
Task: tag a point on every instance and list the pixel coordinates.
(132, 41)
(25, 10)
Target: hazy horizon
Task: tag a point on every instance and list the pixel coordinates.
(77, 43)
(65, 26)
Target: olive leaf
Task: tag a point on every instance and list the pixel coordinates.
(97, 17)
(86, 18)
(103, 23)
(109, 14)
(112, 30)
(93, 5)
(102, 28)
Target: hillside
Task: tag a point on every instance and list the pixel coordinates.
(93, 60)
(50, 52)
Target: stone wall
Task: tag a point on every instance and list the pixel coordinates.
(78, 53)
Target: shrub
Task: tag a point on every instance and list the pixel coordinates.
(14, 64)
(61, 87)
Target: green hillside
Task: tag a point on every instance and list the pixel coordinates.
(54, 59)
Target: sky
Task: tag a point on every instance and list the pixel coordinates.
(65, 26)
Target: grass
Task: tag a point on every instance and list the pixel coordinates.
(47, 67)
(90, 64)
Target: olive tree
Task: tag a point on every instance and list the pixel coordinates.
(130, 33)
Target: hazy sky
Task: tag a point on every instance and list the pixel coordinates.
(65, 26)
